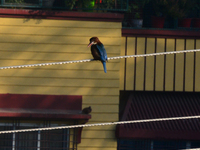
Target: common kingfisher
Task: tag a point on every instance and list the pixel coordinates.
(98, 51)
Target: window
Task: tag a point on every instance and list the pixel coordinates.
(63, 139)
(148, 144)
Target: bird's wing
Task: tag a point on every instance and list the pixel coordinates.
(102, 51)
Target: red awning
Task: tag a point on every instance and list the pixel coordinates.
(41, 106)
(53, 107)
(150, 105)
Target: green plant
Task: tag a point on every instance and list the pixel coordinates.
(196, 8)
(179, 8)
(172, 8)
(105, 4)
(70, 4)
(136, 7)
(14, 1)
(159, 7)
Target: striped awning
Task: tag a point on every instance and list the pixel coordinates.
(150, 105)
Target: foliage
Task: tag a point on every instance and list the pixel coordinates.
(136, 7)
(14, 1)
(172, 8)
(105, 4)
(70, 4)
(179, 8)
(196, 8)
(159, 7)
(79, 4)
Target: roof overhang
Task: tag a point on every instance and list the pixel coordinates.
(41, 106)
(50, 107)
(150, 105)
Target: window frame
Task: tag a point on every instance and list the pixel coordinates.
(69, 136)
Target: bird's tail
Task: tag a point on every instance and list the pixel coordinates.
(104, 66)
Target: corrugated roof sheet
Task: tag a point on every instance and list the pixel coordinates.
(150, 105)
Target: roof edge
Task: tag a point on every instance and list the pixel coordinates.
(61, 15)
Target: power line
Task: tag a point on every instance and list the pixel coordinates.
(100, 124)
(89, 60)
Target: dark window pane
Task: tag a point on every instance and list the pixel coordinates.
(195, 144)
(6, 139)
(54, 139)
(134, 145)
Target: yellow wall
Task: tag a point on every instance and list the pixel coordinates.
(30, 41)
(178, 72)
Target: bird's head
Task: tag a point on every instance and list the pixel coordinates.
(94, 40)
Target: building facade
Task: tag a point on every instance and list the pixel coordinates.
(32, 37)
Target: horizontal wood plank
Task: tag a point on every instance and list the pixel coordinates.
(60, 90)
(58, 23)
(103, 108)
(54, 48)
(65, 82)
(44, 56)
(37, 39)
(107, 117)
(99, 128)
(92, 66)
(98, 142)
(96, 148)
(55, 31)
(101, 100)
(98, 134)
(60, 73)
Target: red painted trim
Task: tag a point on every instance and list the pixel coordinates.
(45, 116)
(61, 15)
(29, 106)
(32, 101)
(41, 106)
(160, 33)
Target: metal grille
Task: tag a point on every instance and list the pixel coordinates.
(84, 5)
(148, 144)
(63, 139)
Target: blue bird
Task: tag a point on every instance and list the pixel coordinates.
(98, 51)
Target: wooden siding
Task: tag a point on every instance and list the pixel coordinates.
(30, 41)
(177, 72)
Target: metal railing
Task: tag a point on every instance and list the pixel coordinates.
(85, 5)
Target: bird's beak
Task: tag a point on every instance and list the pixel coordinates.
(90, 44)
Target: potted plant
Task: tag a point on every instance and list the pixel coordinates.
(160, 13)
(196, 19)
(84, 5)
(135, 11)
(14, 1)
(179, 9)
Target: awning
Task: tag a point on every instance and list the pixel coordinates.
(41, 106)
(52, 107)
(150, 105)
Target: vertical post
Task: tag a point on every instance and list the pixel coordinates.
(38, 140)
(13, 139)
(152, 145)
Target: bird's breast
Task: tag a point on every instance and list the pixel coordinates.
(95, 52)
